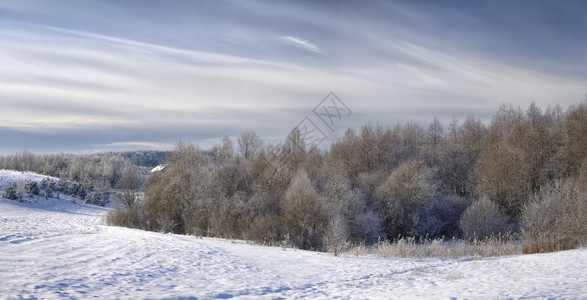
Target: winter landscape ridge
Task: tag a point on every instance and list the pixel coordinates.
(279, 149)
(58, 249)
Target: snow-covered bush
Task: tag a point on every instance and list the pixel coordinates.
(440, 217)
(32, 188)
(10, 192)
(555, 219)
(484, 218)
(126, 217)
(98, 198)
(404, 195)
(336, 235)
(303, 216)
(265, 229)
(230, 216)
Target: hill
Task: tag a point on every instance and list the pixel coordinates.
(60, 249)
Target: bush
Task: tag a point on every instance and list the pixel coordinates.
(230, 217)
(303, 216)
(405, 194)
(495, 245)
(483, 219)
(126, 217)
(98, 198)
(336, 236)
(441, 217)
(555, 219)
(10, 192)
(162, 205)
(265, 229)
(32, 188)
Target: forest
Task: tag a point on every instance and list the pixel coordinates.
(91, 178)
(524, 173)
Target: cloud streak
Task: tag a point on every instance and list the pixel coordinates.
(131, 83)
(297, 42)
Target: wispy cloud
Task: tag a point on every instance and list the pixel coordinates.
(72, 71)
(297, 42)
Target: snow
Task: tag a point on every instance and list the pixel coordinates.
(159, 168)
(8, 177)
(58, 249)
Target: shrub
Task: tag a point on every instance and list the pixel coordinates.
(10, 192)
(126, 217)
(336, 236)
(405, 194)
(161, 204)
(555, 219)
(369, 225)
(494, 245)
(32, 188)
(440, 218)
(230, 216)
(483, 219)
(265, 229)
(303, 216)
(98, 198)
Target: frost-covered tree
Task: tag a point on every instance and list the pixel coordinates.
(501, 175)
(336, 235)
(249, 144)
(555, 219)
(414, 138)
(377, 182)
(169, 194)
(225, 152)
(304, 218)
(483, 219)
(574, 147)
(348, 205)
(10, 192)
(434, 144)
(32, 188)
(129, 187)
(408, 189)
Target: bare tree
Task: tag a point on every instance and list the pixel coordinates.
(225, 152)
(249, 144)
(501, 175)
(413, 136)
(336, 237)
(574, 148)
(129, 186)
(434, 143)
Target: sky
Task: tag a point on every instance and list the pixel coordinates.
(83, 76)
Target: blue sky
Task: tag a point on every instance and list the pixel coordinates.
(84, 76)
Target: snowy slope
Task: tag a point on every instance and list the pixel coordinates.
(8, 177)
(57, 249)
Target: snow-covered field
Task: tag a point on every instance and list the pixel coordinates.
(58, 249)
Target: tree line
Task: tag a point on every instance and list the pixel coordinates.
(48, 188)
(100, 170)
(524, 172)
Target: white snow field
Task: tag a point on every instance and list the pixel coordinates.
(57, 249)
